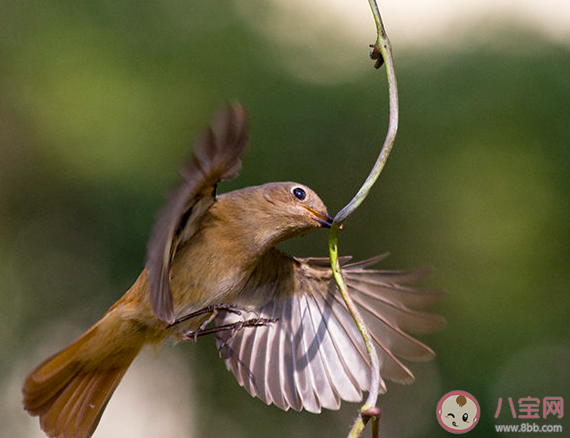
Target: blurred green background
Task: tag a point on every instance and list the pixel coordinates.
(100, 101)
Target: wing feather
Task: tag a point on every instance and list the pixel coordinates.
(245, 349)
(275, 355)
(324, 356)
(349, 348)
(258, 361)
(392, 293)
(216, 157)
(300, 353)
(313, 356)
(396, 340)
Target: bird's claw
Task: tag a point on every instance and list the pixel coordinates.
(234, 327)
(240, 325)
(213, 310)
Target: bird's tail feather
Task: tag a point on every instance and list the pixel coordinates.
(70, 390)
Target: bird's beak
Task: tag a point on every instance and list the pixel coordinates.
(324, 219)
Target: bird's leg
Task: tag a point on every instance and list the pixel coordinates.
(213, 310)
(234, 327)
(237, 326)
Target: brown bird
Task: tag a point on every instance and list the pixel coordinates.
(281, 325)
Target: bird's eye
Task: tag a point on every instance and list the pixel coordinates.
(299, 193)
(465, 416)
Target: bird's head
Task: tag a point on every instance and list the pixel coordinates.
(274, 212)
(296, 206)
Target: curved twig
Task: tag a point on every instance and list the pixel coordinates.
(382, 53)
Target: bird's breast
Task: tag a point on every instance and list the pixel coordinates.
(210, 270)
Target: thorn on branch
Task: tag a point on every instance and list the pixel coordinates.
(377, 55)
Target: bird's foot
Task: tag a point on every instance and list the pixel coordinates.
(233, 327)
(213, 310)
(236, 327)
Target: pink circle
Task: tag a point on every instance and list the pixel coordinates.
(457, 426)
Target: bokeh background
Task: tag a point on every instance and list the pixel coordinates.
(100, 101)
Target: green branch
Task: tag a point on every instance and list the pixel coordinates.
(382, 53)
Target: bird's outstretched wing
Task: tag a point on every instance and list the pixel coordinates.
(313, 356)
(216, 157)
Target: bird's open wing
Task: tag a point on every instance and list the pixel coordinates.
(216, 157)
(313, 356)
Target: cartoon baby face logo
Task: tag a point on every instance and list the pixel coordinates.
(458, 412)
